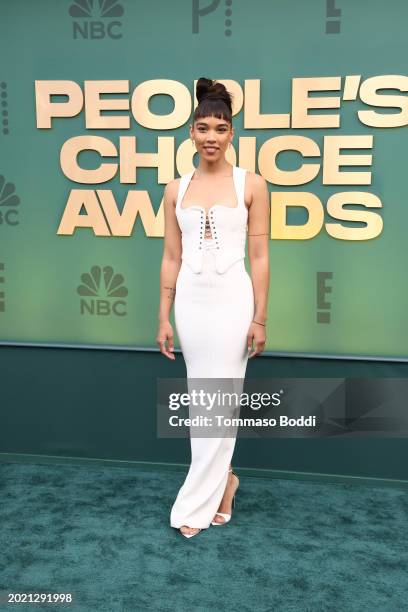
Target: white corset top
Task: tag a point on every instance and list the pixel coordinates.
(228, 225)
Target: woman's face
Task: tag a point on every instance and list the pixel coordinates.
(212, 137)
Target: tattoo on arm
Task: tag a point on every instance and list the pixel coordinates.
(172, 292)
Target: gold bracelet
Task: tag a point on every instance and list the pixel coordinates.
(259, 323)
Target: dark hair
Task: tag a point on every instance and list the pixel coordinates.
(213, 100)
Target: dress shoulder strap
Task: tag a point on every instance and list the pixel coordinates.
(240, 174)
(183, 184)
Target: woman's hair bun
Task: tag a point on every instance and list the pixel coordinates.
(206, 88)
(213, 99)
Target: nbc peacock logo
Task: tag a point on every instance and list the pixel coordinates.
(96, 19)
(8, 203)
(100, 292)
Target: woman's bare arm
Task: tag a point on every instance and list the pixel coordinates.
(170, 266)
(258, 253)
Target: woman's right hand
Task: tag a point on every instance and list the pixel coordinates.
(165, 333)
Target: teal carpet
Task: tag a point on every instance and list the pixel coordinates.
(103, 534)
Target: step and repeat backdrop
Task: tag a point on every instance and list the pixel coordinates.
(96, 102)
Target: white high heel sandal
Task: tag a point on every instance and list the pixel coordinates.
(226, 517)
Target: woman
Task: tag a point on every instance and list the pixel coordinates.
(219, 311)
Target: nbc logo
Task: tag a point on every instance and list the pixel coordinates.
(88, 14)
(100, 290)
(8, 201)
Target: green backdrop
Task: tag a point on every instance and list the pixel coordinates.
(274, 41)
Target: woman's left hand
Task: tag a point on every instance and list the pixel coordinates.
(257, 335)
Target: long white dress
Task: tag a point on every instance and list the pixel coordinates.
(214, 307)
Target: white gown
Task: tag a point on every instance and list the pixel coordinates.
(213, 309)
